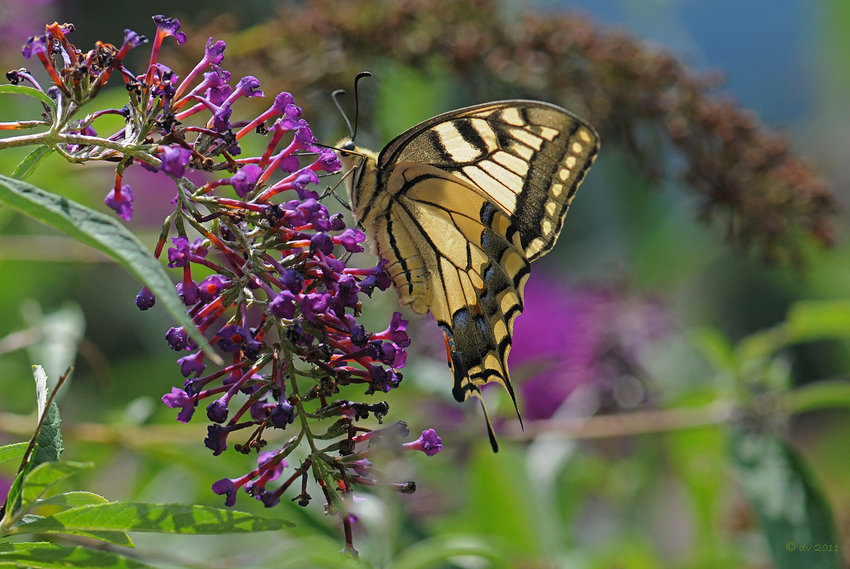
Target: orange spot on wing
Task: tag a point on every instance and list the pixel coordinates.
(448, 349)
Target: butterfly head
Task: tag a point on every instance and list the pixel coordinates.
(349, 153)
(359, 166)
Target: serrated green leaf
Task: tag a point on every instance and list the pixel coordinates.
(49, 436)
(160, 518)
(49, 445)
(29, 91)
(52, 556)
(73, 500)
(47, 475)
(30, 164)
(12, 451)
(794, 515)
(105, 234)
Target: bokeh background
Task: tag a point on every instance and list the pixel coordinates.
(622, 317)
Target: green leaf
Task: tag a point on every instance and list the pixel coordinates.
(13, 500)
(47, 475)
(47, 442)
(700, 458)
(794, 515)
(29, 91)
(31, 163)
(49, 445)
(12, 451)
(820, 395)
(49, 437)
(52, 556)
(105, 234)
(316, 552)
(810, 320)
(494, 480)
(437, 551)
(160, 518)
(762, 343)
(73, 500)
(715, 348)
(113, 537)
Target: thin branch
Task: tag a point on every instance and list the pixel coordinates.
(602, 426)
(124, 435)
(626, 424)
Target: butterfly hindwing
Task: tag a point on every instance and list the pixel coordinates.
(476, 271)
(460, 205)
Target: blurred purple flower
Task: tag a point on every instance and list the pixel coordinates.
(567, 337)
(18, 16)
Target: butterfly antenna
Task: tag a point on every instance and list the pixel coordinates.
(335, 96)
(339, 92)
(357, 79)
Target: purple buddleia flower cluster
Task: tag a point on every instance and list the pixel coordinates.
(263, 262)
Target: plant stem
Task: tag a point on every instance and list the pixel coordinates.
(626, 424)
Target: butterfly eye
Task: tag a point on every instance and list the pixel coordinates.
(349, 146)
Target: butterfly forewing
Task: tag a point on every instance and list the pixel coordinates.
(459, 205)
(527, 157)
